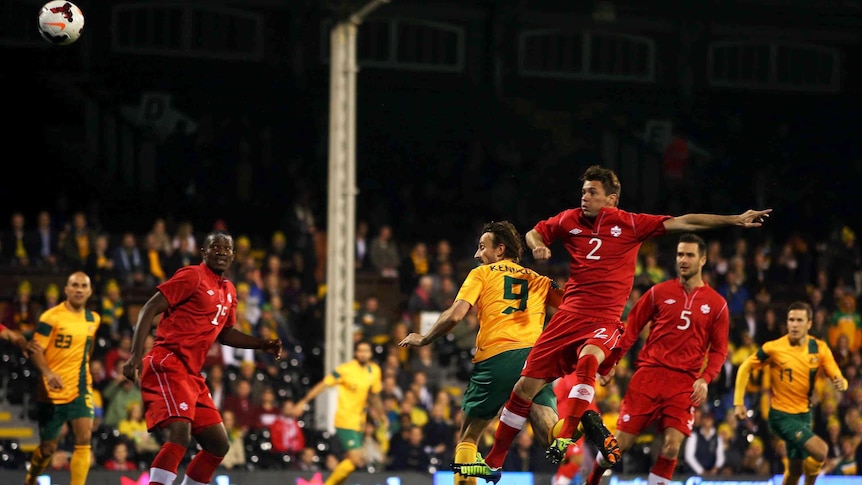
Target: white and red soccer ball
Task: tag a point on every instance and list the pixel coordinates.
(61, 22)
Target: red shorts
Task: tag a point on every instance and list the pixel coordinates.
(555, 353)
(657, 395)
(169, 391)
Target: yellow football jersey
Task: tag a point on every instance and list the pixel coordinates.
(355, 382)
(792, 372)
(510, 300)
(67, 338)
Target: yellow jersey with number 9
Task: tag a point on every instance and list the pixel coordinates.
(67, 338)
(510, 300)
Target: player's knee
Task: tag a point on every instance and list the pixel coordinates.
(670, 448)
(818, 449)
(218, 448)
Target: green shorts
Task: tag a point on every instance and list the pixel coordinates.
(350, 439)
(52, 416)
(492, 381)
(794, 429)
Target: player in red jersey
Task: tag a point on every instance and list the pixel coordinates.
(603, 242)
(689, 320)
(199, 307)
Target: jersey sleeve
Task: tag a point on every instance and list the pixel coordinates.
(334, 377)
(641, 313)
(717, 344)
(472, 286)
(753, 362)
(44, 329)
(181, 285)
(649, 226)
(551, 228)
(827, 361)
(377, 385)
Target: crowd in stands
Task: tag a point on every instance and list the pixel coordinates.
(281, 289)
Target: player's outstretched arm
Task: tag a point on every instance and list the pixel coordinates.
(701, 222)
(444, 324)
(537, 245)
(157, 304)
(742, 376)
(234, 338)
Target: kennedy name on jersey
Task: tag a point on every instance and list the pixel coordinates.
(509, 269)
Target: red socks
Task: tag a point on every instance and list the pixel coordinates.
(512, 421)
(203, 466)
(581, 395)
(163, 470)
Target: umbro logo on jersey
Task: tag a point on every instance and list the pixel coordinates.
(669, 301)
(210, 292)
(705, 309)
(575, 231)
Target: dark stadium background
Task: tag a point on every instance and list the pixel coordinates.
(415, 126)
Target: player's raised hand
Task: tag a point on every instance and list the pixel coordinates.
(272, 346)
(698, 394)
(606, 379)
(132, 369)
(412, 340)
(840, 383)
(753, 218)
(542, 253)
(740, 412)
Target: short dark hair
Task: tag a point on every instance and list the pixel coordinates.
(362, 342)
(694, 238)
(606, 176)
(801, 305)
(504, 232)
(217, 234)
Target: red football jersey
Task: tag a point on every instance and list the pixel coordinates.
(684, 325)
(603, 254)
(202, 305)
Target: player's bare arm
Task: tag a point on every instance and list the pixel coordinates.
(699, 390)
(156, 305)
(315, 391)
(700, 222)
(444, 324)
(742, 376)
(234, 338)
(541, 251)
(37, 357)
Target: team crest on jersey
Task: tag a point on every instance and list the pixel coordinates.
(627, 417)
(616, 231)
(705, 309)
(815, 359)
(669, 301)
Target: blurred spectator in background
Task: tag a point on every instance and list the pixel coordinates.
(115, 321)
(384, 255)
(79, 242)
(360, 259)
(704, 449)
(156, 258)
(99, 264)
(410, 455)
(241, 403)
(120, 458)
(47, 240)
(184, 255)
(416, 265)
(22, 313)
(285, 431)
(235, 456)
(373, 324)
(846, 321)
(130, 264)
(17, 247)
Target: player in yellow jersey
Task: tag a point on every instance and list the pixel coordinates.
(65, 336)
(794, 361)
(511, 301)
(359, 384)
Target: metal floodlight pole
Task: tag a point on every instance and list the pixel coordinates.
(341, 203)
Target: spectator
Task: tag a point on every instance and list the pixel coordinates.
(371, 321)
(361, 259)
(100, 263)
(115, 322)
(308, 461)
(130, 264)
(269, 410)
(118, 355)
(415, 265)
(47, 240)
(119, 393)
(410, 455)
(156, 258)
(79, 242)
(235, 456)
(22, 313)
(285, 432)
(134, 428)
(184, 255)
(241, 403)
(119, 460)
(754, 462)
(704, 449)
(848, 322)
(384, 255)
(735, 292)
(17, 245)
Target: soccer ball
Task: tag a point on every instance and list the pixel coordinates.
(61, 22)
